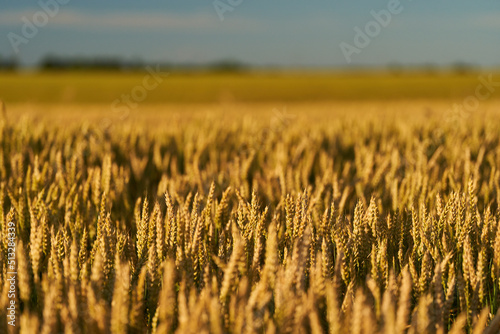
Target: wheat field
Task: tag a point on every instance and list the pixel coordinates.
(347, 218)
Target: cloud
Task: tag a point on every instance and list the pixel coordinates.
(202, 22)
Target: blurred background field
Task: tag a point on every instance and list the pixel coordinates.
(103, 87)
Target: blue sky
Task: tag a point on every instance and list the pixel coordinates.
(259, 32)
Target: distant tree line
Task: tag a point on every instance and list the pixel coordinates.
(8, 64)
(65, 63)
(83, 63)
(117, 64)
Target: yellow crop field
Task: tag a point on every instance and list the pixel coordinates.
(347, 216)
(247, 87)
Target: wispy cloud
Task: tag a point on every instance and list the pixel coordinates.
(127, 20)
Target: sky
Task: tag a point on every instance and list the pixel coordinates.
(317, 33)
